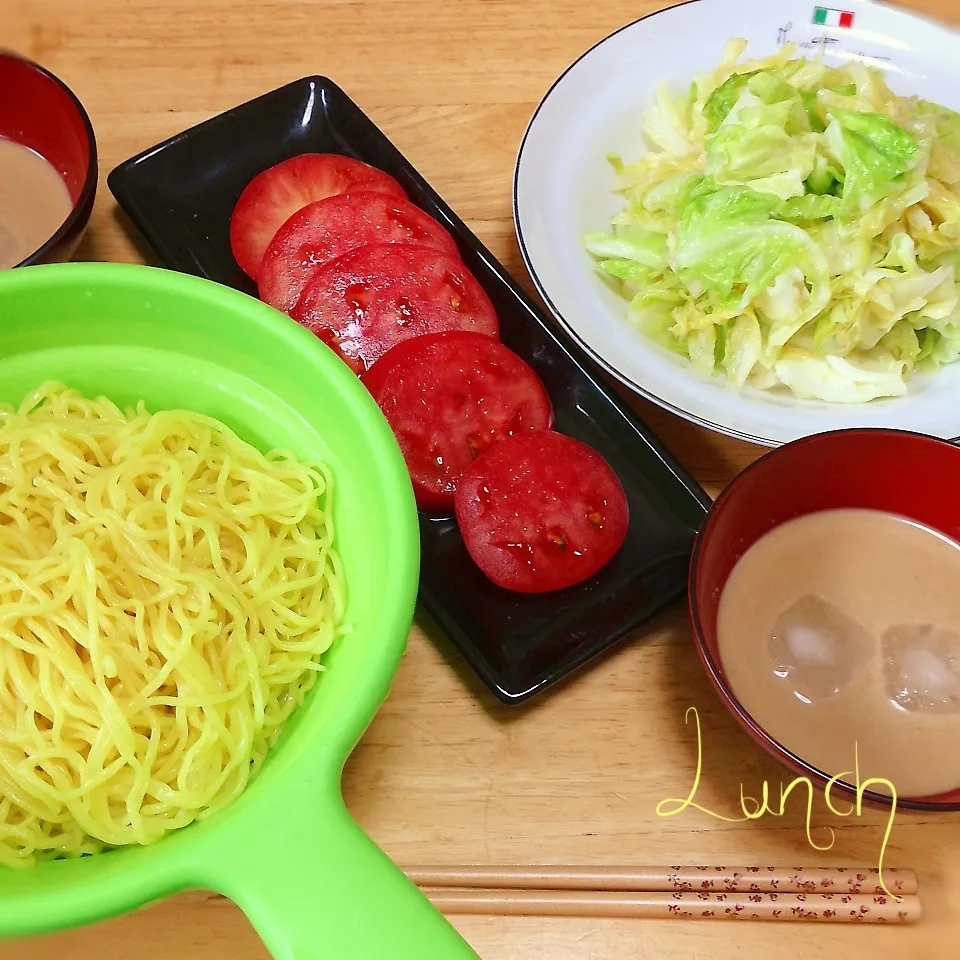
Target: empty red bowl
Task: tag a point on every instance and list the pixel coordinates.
(39, 111)
(908, 474)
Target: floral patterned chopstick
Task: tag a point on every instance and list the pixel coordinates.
(796, 907)
(819, 880)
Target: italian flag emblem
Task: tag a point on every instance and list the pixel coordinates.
(831, 17)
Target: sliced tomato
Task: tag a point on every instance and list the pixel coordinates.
(328, 229)
(541, 511)
(275, 195)
(448, 397)
(373, 298)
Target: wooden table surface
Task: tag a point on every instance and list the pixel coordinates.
(446, 774)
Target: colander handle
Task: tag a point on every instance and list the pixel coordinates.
(332, 894)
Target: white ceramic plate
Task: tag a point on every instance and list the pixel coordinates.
(564, 188)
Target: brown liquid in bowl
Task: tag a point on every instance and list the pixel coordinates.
(34, 202)
(842, 628)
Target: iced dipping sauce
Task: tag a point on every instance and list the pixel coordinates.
(34, 202)
(842, 627)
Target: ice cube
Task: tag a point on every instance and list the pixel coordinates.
(921, 665)
(818, 648)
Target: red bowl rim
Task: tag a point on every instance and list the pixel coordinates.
(81, 207)
(715, 670)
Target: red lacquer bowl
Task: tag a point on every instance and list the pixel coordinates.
(909, 474)
(42, 113)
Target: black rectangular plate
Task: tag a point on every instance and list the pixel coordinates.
(180, 195)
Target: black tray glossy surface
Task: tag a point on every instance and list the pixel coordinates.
(180, 195)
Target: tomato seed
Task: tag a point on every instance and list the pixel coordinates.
(557, 538)
(455, 285)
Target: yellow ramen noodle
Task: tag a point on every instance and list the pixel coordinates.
(166, 593)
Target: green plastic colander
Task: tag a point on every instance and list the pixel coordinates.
(287, 852)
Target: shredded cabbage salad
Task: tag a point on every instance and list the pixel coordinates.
(793, 225)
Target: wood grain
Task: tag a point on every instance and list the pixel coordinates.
(445, 774)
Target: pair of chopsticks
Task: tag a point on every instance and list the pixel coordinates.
(825, 894)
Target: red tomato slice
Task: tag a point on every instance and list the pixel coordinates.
(330, 228)
(448, 397)
(275, 195)
(540, 512)
(373, 298)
